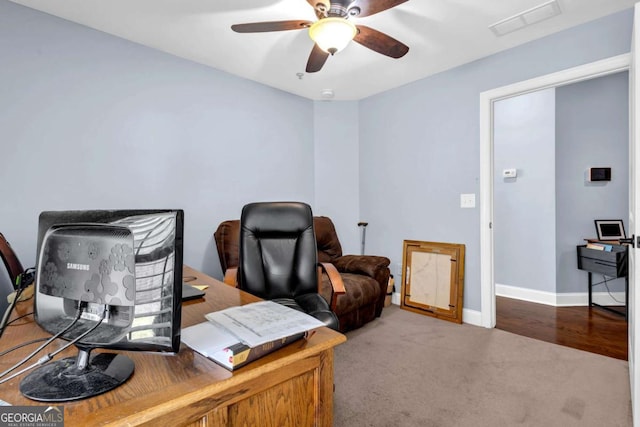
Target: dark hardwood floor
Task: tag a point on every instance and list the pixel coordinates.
(586, 328)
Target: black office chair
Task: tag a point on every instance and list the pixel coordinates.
(278, 257)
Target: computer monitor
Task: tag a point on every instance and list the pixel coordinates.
(116, 277)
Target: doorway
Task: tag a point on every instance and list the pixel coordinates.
(546, 206)
(487, 169)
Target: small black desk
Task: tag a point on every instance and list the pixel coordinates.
(611, 264)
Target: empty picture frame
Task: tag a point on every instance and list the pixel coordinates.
(433, 279)
(610, 229)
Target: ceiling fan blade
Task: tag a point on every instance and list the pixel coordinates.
(380, 42)
(317, 58)
(371, 7)
(263, 27)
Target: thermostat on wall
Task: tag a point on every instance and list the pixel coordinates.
(509, 173)
(599, 174)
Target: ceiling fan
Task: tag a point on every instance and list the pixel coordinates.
(333, 30)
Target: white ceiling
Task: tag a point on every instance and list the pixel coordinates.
(441, 34)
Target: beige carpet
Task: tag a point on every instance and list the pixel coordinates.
(406, 369)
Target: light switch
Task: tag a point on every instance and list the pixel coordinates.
(468, 200)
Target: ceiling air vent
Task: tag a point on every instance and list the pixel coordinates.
(528, 17)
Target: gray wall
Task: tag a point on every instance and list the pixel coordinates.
(88, 121)
(592, 129)
(425, 135)
(337, 168)
(74, 102)
(524, 207)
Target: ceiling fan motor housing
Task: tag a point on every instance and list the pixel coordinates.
(337, 9)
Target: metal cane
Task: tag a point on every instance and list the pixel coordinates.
(363, 226)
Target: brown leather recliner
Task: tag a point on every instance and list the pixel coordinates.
(365, 277)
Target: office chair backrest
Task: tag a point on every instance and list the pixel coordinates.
(10, 260)
(278, 256)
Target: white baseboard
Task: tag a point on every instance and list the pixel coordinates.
(472, 317)
(560, 300)
(395, 298)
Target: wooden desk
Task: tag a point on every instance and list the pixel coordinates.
(290, 387)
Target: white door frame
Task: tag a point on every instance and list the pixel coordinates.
(572, 75)
(634, 211)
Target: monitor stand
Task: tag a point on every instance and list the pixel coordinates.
(76, 378)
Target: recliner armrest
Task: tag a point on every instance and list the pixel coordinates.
(369, 265)
(231, 277)
(337, 285)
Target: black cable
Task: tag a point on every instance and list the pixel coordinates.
(49, 341)
(603, 281)
(23, 280)
(20, 317)
(24, 344)
(82, 335)
(606, 285)
(9, 310)
(47, 357)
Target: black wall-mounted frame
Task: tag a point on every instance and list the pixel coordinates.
(599, 174)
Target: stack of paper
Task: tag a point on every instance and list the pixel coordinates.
(238, 335)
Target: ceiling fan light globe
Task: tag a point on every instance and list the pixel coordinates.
(332, 34)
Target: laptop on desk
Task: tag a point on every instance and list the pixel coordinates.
(191, 292)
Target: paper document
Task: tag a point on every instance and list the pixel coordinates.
(261, 322)
(207, 338)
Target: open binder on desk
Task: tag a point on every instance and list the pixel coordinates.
(238, 335)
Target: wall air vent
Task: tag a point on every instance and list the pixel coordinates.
(528, 17)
